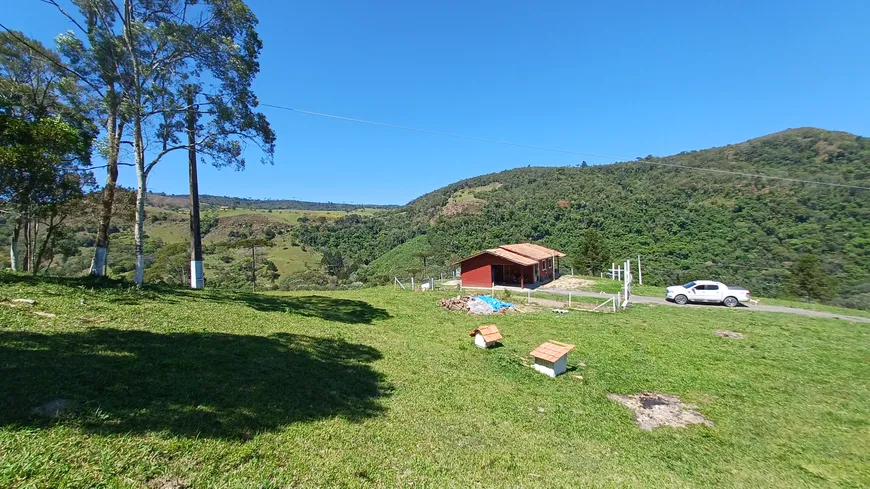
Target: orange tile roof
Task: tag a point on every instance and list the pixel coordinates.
(511, 256)
(536, 252)
(552, 351)
(490, 333)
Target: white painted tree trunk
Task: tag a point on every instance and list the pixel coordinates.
(98, 264)
(13, 255)
(197, 277)
(141, 189)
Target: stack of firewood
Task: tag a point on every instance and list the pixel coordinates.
(458, 303)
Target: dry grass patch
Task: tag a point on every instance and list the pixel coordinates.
(657, 410)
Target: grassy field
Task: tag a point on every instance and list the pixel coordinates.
(382, 388)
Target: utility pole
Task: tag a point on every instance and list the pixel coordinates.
(197, 277)
(253, 269)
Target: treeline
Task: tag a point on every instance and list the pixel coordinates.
(181, 200)
(686, 224)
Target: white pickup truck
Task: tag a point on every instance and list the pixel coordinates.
(707, 291)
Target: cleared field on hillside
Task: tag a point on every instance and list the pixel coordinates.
(172, 227)
(380, 388)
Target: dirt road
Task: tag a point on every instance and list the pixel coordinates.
(661, 301)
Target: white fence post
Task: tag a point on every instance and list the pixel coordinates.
(618, 301)
(639, 272)
(529, 297)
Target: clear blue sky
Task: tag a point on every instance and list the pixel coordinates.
(622, 79)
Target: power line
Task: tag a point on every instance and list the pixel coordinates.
(563, 151)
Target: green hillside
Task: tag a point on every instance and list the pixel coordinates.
(687, 224)
(402, 261)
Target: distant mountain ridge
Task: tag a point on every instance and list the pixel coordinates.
(181, 200)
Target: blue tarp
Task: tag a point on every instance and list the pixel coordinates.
(496, 304)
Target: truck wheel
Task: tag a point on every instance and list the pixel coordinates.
(731, 302)
(681, 300)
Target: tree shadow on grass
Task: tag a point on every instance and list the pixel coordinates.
(126, 294)
(186, 384)
(318, 306)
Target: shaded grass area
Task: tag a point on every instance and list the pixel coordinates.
(225, 390)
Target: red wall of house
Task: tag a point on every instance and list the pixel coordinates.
(477, 271)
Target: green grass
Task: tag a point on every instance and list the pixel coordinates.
(813, 306)
(382, 388)
(609, 286)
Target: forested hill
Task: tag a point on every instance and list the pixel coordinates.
(170, 200)
(687, 224)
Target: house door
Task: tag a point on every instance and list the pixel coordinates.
(498, 273)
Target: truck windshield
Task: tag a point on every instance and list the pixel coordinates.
(689, 285)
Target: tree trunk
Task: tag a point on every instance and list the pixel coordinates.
(101, 250)
(197, 280)
(13, 248)
(45, 245)
(141, 188)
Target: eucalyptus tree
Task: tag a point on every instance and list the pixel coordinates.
(162, 50)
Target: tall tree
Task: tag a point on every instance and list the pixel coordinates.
(591, 255)
(808, 279)
(158, 50)
(197, 278)
(95, 59)
(46, 137)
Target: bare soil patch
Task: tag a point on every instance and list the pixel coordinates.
(656, 410)
(166, 482)
(568, 283)
(729, 334)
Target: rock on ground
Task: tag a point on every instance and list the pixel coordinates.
(729, 334)
(53, 409)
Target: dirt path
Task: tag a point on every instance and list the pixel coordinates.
(780, 309)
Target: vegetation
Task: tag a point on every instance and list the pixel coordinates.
(686, 224)
(383, 388)
(809, 280)
(591, 255)
(45, 150)
(266, 204)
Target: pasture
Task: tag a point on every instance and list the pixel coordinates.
(382, 388)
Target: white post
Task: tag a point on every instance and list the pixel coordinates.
(613, 271)
(529, 299)
(572, 271)
(492, 294)
(639, 272)
(569, 299)
(412, 283)
(618, 301)
(627, 282)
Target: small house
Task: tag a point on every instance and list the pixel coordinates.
(551, 358)
(485, 336)
(522, 265)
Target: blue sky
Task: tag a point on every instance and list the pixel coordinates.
(622, 79)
